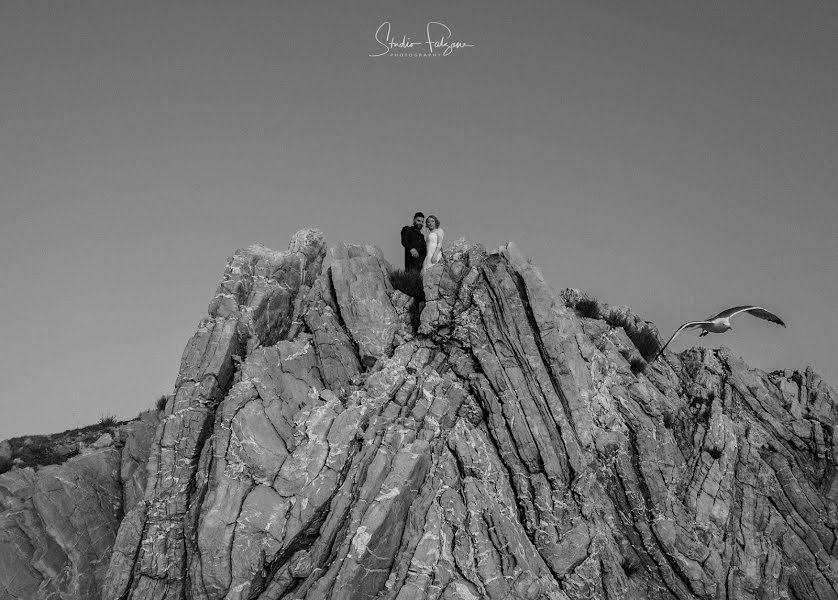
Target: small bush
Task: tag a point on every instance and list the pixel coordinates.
(635, 361)
(408, 282)
(637, 364)
(646, 342)
(42, 454)
(161, 403)
(616, 318)
(34, 451)
(107, 421)
(588, 307)
(643, 338)
(5, 465)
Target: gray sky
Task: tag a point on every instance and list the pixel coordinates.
(677, 157)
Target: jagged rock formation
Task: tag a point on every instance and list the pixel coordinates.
(330, 438)
(58, 524)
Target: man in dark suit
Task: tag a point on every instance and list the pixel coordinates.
(414, 244)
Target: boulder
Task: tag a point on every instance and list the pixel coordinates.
(103, 441)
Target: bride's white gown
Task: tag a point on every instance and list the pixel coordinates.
(434, 254)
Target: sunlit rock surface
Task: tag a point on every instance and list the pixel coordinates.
(327, 440)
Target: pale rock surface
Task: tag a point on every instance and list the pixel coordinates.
(501, 449)
(103, 442)
(256, 305)
(360, 282)
(327, 442)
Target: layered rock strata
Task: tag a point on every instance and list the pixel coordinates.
(330, 438)
(497, 446)
(58, 523)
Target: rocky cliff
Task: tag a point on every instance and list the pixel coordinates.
(58, 523)
(329, 438)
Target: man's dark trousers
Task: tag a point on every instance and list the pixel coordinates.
(412, 239)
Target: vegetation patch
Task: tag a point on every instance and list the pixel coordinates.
(644, 337)
(588, 307)
(646, 342)
(408, 282)
(617, 318)
(107, 421)
(637, 364)
(41, 450)
(635, 361)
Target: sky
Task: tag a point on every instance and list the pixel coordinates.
(677, 157)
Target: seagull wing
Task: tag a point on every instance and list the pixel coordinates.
(757, 311)
(677, 331)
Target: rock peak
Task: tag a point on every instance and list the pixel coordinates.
(331, 436)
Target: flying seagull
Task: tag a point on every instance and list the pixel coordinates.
(721, 323)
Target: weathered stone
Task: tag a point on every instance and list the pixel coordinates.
(58, 524)
(338, 357)
(324, 443)
(254, 305)
(360, 283)
(103, 441)
(137, 437)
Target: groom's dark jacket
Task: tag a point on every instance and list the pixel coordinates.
(413, 238)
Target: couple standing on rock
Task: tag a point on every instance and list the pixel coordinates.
(419, 253)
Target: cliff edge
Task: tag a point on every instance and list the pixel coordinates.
(330, 438)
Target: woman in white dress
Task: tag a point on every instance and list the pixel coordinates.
(435, 236)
